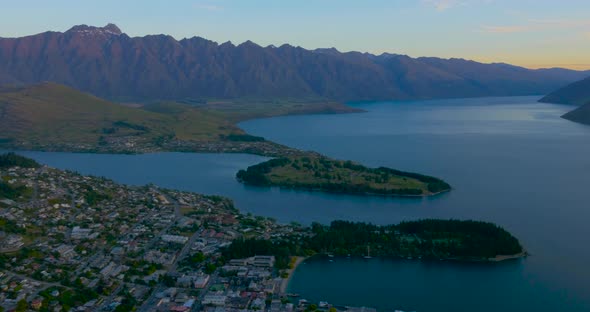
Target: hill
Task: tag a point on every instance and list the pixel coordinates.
(580, 114)
(577, 93)
(106, 62)
(50, 116)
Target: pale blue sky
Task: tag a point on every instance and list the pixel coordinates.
(532, 33)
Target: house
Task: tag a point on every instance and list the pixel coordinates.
(189, 303)
(238, 302)
(80, 233)
(238, 262)
(201, 281)
(37, 304)
(184, 281)
(174, 239)
(117, 251)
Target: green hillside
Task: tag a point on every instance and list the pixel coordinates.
(50, 114)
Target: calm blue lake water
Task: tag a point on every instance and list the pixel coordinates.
(510, 160)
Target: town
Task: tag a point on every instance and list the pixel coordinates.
(79, 243)
(139, 145)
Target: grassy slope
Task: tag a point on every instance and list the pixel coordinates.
(236, 110)
(190, 123)
(289, 174)
(54, 113)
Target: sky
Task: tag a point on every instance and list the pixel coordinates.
(529, 33)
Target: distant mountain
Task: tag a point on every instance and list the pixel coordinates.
(106, 62)
(577, 93)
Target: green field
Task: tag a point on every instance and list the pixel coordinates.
(236, 110)
(325, 174)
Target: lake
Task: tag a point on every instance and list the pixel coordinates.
(511, 161)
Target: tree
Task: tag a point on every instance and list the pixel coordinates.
(210, 268)
(21, 305)
(11, 160)
(168, 281)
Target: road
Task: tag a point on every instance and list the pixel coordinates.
(110, 298)
(149, 303)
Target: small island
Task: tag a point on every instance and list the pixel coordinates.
(314, 172)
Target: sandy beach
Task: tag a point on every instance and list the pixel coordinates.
(286, 281)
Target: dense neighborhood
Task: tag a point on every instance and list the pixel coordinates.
(80, 243)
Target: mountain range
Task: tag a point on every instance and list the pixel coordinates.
(106, 62)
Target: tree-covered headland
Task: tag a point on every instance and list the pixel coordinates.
(424, 239)
(335, 176)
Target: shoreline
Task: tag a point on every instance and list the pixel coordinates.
(264, 148)
(499, 258)
(286, 281)
(361, 194)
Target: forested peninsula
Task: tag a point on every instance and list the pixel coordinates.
(463, 240)
(319, 173)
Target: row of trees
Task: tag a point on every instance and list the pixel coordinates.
(13, 160)
(94, 197)
(13, 192)
(132, 126)
(9, 226)
(256, 175)
(282, 250)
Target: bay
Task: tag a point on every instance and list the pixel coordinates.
(511, 161)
